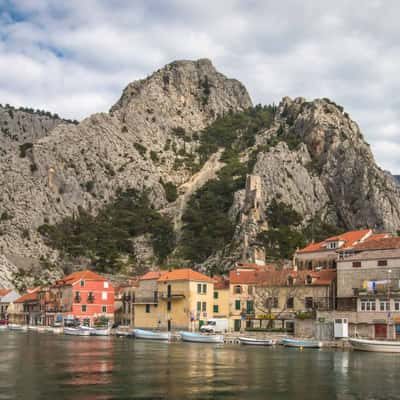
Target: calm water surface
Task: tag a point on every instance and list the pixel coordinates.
(46, 366)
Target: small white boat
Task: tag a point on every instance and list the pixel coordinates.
(123, 333)
(256, 342)
(201, 337)
(3, 327)
(32, 327)
(16, 327)
(309, 344)
(41, 328)
(384, 346)
(76, 331)
(56, 329)
(151, 335)
(100, 332)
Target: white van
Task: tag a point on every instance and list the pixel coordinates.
(216, 325)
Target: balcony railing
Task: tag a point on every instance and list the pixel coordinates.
(146, 300)
(172, 296)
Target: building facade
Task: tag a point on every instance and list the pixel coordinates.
(181, 299)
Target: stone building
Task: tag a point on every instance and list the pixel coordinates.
(368, 292)
(324, 254)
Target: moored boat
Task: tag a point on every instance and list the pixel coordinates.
(310, 344)
(151, 335)
(3, 327)
(100, 332)
(76, 331)
(201, 337)
(16, 327)
(256, 341)
(384, 346)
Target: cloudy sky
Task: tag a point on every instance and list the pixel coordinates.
(74, 57)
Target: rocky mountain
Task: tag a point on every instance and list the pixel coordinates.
(185, 138)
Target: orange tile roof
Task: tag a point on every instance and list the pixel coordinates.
(350, 239)
(379, 244)
(152, 275)
(30, 296)
(4, 292)
(78, 275)
(184, 274)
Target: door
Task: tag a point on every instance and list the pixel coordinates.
(237, 325)
(169, 325)
(380, 331)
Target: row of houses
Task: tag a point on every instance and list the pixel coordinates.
(353, 276)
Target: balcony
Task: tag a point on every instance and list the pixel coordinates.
(172, 296)
(146, 300)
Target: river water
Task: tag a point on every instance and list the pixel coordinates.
(46, 366)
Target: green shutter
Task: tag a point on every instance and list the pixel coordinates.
(199, 306)
(237, 304)
(215, 308)
(216, 295)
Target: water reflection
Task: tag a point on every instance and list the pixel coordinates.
(45, 366)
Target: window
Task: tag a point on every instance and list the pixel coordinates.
(237, 289)
(384, 306)
(250, 306)
(204, 307)
(105, 285)
(169, 306)
(83, 308)
(290, 302)
(382, 263)
(215, 308)
(82, 283)
(90, 297)
(356, 264)
(77, 297)
(147, 308)
(250, 290)
(272, 302)
(308, 302)
(199, 306)
(237, 304)
(199, 288)
(104, 295)
(368, 305)
(290, 281)
(216, 295)
(104, 309)
(309, 280)
(205, 288)
(397, 305)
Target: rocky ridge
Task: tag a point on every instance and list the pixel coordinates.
(313, 157)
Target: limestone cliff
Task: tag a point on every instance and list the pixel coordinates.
(312, 156)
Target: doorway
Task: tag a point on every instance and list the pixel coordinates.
(381, 331)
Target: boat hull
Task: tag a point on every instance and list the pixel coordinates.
(151, 335)
(100, 332)
(201, 338)
(309, 344)
(76, 332)
(379, 346)
(256, 342)
(19, 328)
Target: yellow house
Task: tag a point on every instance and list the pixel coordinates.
(173, 300)
(221, 298)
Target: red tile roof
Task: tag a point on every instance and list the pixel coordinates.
(379, 244)
(152, 275)
(186, 274)
(350, 239)
(4, 292)
(278, 278)
(220, 282)
(79, 275)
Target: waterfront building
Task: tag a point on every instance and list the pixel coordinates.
(368, 292)
(82, 296)
(125, 301)
(221, 298)
(324, 254)
(173, 300)
(261, 298)
(25, 309)
(7, 297)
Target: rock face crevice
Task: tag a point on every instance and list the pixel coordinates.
(313, 157)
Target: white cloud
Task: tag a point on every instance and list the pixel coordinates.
(75, 57)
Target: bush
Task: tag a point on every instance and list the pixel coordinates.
(23, 148)
(171, 192)
(140, 148)
(154, 156)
